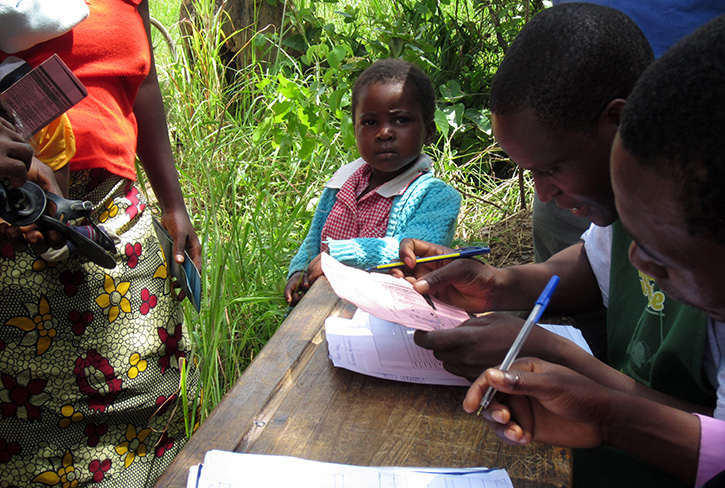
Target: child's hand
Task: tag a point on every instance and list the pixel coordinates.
(301, 281)
(296, 287)
(314, 269)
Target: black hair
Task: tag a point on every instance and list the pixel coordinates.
(393, 70)
(568, 63)
(674, 121)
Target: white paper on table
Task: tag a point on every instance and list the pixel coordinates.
(376, 347)
(223, 469)
(389, 298)
(568, 332)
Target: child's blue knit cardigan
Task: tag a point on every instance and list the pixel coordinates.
(427, 210)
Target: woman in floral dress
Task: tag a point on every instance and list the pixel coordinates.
(91, 358)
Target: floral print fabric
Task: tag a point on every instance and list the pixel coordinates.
(90, 358)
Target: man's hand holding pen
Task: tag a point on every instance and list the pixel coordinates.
(465, 283)
(544, 402)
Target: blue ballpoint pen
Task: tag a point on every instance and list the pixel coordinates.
(534, 316)
(464, 252)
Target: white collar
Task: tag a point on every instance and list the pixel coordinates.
(390, 188)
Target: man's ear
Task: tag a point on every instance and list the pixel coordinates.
(430, 133)
(609, 119)
(612, 113)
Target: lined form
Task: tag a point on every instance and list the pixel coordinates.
(222, 469)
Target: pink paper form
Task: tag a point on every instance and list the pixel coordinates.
(389, 298)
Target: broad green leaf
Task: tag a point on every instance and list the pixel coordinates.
(441, 121)
(451, 89)
(481, 118)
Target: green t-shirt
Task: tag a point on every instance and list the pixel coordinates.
(652, 338)
(656, 341)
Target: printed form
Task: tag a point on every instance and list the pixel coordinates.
(222, 469)
(389, 298)
(376, 347)
(378, 340)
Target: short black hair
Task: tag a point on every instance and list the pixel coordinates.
(394, 70)
(674, 121)
(568, 63)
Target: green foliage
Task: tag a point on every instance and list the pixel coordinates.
(255, 146)
(459, 44)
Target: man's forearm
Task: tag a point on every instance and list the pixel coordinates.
(517, 287)
(582, 362)
(665, 437)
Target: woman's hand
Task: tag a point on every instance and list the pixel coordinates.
(178, 224)
(15, 154)
(37, 238)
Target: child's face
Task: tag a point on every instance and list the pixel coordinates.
(389, 129)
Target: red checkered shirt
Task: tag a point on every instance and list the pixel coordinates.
(350, 217)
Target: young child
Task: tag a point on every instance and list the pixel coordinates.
(389, 193)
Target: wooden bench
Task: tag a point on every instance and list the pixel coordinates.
(292, 401)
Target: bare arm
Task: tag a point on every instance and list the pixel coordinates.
(577, 290)
(482, 342)
(154, 151)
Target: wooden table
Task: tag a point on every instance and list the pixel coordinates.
(292, 401)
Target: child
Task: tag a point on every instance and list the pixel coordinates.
(387, 194)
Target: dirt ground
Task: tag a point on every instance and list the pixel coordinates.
(510, 240)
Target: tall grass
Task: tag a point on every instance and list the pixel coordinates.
(252, 157)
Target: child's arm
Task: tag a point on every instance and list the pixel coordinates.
(428, 211)
(301, 274)
(311, 244)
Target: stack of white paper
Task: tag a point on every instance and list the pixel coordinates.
(223, 469)
(383, 349)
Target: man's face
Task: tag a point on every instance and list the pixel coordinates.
(572, 168)
(688, 268)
